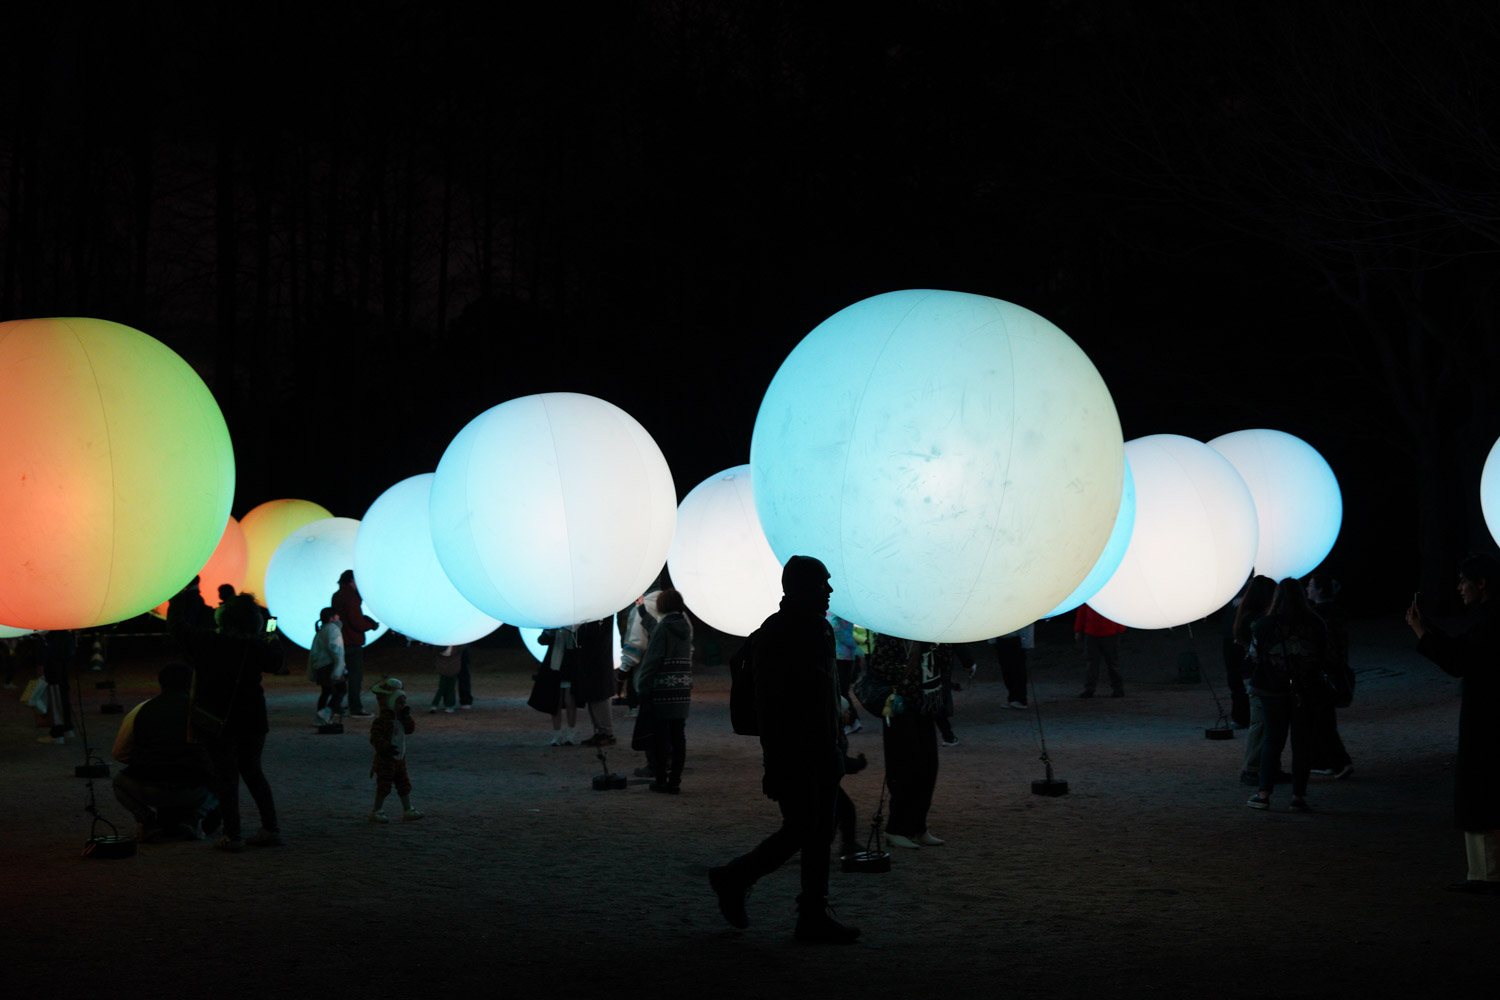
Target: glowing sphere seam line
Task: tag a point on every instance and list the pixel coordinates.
(114, 480)
(557, 476)
(854, 422)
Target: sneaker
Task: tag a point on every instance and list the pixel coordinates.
(600, 740)
(448, 711)
(1256, 802)
(732, 895)
(265, 838)
(467, 704)
(192, 831)
(1021, 705)
(324, 716)
(896, 840)
(644, 772)
(52, 739)
(432, 710)
(820, 928)
(1300, 806)
(951, 743)
(1344, 772)
(853, 727)
(359, 715)
(411, 815)
(928, 840)
(379, 816)
(557, 739)
(233, 845)
(1320, 770)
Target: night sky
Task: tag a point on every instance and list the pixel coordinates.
(365, 223)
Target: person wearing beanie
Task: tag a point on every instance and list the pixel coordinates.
(802, 738)
(388, 735)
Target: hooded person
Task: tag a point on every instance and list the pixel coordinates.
(803, 743)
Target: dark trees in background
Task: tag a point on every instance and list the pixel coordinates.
(370, 221)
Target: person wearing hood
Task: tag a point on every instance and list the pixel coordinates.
(664, 680)
(803, 743)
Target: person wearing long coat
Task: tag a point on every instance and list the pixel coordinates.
(1474, 657)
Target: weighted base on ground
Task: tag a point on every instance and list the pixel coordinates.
(868, 862)
(109, 848)
(609, 782)
(330, 728)
(91, 771)
(1219, 733)
(1052, 787)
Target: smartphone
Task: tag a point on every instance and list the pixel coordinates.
(270, 625)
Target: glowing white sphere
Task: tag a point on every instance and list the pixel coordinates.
(720, 559)
(1489, 491)
(265, 527)
(1109, 559)
(1194, 537)
(399, 575)
(552, 508)
(304, 572)
(530, 639)
(1297, 501)
(954, 460)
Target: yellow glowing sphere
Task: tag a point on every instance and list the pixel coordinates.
(116, 473)
(266, 527)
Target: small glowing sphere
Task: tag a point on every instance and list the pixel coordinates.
(266, 527)
(226, 565)
(6, 632)
(1298, 505)
(304, 573)
(1109, 559)
(1194, 538)
(954, 460)
(399, 575)
(530, 639)
(720, 559)
(552, 508)
(116, 473)
(1489, 491)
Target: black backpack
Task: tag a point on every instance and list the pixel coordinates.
(744, 719)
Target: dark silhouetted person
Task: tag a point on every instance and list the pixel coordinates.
(349, 606)
(802, 737)
(1254, 602)
(189, 608)
(664, 681)
(59, 650)
(167, 781)
(1101, 640)
(1327, 751)
(1289, 657)
(229, 712)
(594, 686)
(1474, 657)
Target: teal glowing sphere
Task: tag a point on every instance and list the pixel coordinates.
(1298, 505)
(399, 575)
(552, 508)
(304, 573)
(954, 460)
(1109, 559)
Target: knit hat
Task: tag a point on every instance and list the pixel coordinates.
(389, 691)
(804, 576)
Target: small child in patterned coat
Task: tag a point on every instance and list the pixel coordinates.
(389, 740)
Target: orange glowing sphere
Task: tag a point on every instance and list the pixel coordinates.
(116, 473)
(226, 565)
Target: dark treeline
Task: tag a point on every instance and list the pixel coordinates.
(364, 223)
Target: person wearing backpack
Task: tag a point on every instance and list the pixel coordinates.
(1289, 661)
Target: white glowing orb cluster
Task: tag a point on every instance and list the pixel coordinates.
(304, 573)
(1298, 506)
(955, 460)
(1110, 558)
(552, 509)
(398, 574)
(1194, 539)
(720, 560)
(531, 639)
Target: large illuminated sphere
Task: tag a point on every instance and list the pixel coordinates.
(267, 526)
(1489, 491)
(226, 565)
(1194, 538)
(399, 575)
(1110, 558)
(552, 508)
(1297, 501)
(530, 638)
(116, 473)
(720, 559)
(304, 573)
(953, 459)
(6, 632)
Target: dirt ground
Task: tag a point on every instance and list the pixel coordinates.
(1151, 878)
